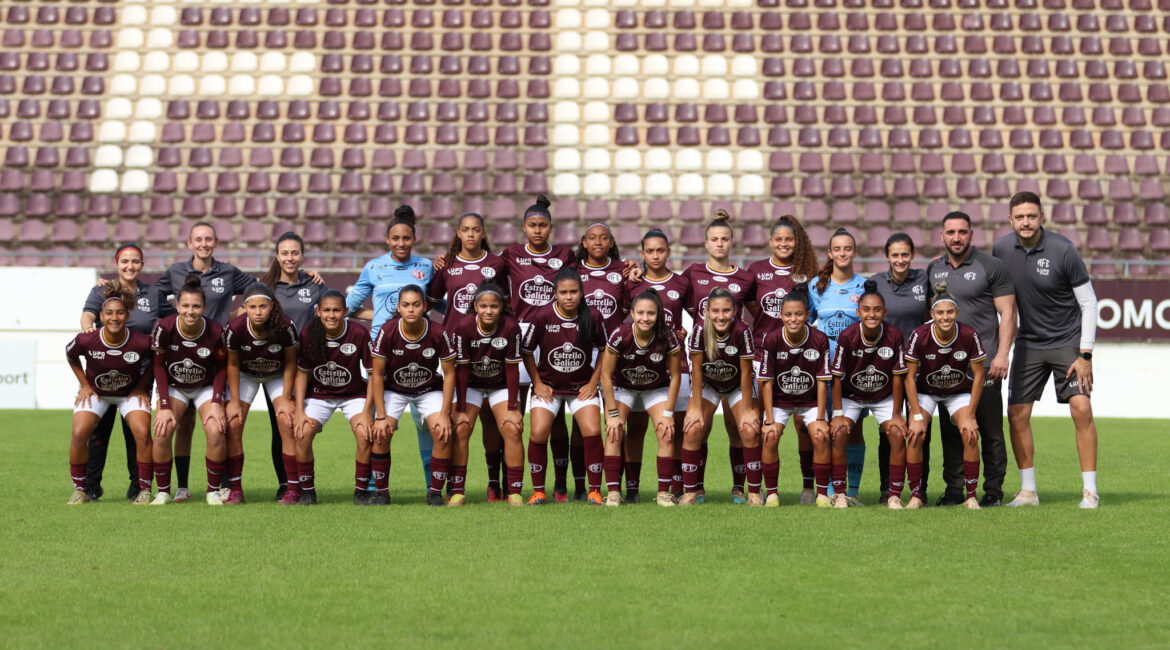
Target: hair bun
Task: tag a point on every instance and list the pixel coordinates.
(404, 213)
(721, 215)
(193, 281)
(870, 286)
(542, 201)
(940, 287)
(842, 231)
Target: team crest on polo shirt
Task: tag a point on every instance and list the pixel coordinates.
(144, 304)
(217, 285)
(970, 276)
(672, 294)
(305, 295)
(1043, 266)
(734, 288)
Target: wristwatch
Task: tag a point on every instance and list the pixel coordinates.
(1087, 356)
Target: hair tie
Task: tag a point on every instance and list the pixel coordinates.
(113, 298)
(256, 295)
(489, 291)
(536, 213)
(124, 247)
(941, 299)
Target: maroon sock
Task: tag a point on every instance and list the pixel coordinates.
(380, 469)
(821, 472)
(215, 470)
(751, 465)
(361, 476)
(806, 469)
(537, 460)
(290, 471)
(560, 455)
(162, 476)
(738, 467)
(839, 472)
(613, 473)
(594, 460)
(915, 472)
(665, 469)
(578, 455)
(633, 477)
(702, 475)
(145, 475)
(690, 469)
(235, 467)
(457, 478)
(439, 468)
(897, 479)
(305, 476)
(494, 460)
(77, 473)
(515, 478)
(771, 473)
(971, 477)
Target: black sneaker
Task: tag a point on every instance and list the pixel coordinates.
(280, 491)
(580, 496)
(361, 498)
(132, 491)
(307, 498)
(989, 501)
(380, 499)
(632, 496)
(435, 499)
(95, 493)
(949, 500)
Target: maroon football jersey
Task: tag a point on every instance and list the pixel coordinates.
(486, 353)
(562, 363)
(260, 357)
(603, 292)
(944, 369)
(190, 362)
(112, 371)
(530, 276)
(458, 282)
(772, 283)
(336, 372)
(795, 368)
(637, 367)
(412, 365)
(866, 369)
(739, 281)
(722, 372)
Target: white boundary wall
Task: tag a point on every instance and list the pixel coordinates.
(43, 307)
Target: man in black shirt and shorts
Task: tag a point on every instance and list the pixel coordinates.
(1058, 324)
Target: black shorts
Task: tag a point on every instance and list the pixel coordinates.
(1030, 370)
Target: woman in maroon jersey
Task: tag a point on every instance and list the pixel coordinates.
(458, 273)
(333, 352)
(793, 262)
(721, 352)
(719, 272)
(189, 367)
(117, 373)
(406, 355)
(262, 351)
(640, 368)
(868, 373)
(794, 383)
(564, 334)
(487, 379)
(945, 358)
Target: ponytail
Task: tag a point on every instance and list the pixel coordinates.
(827, 269)
(457, 243)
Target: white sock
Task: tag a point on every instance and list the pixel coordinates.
(1090, 481)
(1028, 479)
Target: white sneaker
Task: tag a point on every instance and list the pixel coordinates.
(807, 497)
(78, 497)
(182, 495)
(213, 498)
(823, 501)
(1090, 500)
(665, 500)
(972, 504)
(224, 493)
(914, 504)
(840, 501)
(1024, 498)
(162, 498)
(773, 501)
(894, 502)
(613, 498)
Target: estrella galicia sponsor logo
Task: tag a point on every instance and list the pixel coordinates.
(111, 382)
(412, 376)
(870, 380)
(795, 381)
(567, 358)
(332, 375)
(719, 371)
(640, 376)
(945, 378)
(187, 372)
(536, 291)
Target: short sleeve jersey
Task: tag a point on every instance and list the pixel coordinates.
(944, 369)
(772, 284)
(722, 372)
(486, 353)
(867, 370)
(336, 371)
(221, 282)
(112, 370)
(191, 361)
(905, 300)
(260, 356)
(382, 278)
(603, 292)
(638, 367)
(563, 364)
(530, 276)
(298, 299)
(1044, 277)
(674, 291)
(739, 281)
(412, 365)
(458, 281)
(975, 283)
(150, 305)
(836, 308)
(795, 368)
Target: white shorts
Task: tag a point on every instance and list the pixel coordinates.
(684, 392)
(427, 403)
(882, 411)
(953, 403)
(572, 404)
(781, 415)
(641, 400)
(712, 397)
(98, 405)
(250, 387)
(476, 397)
(525, 378)
(321, 410)
(200, 396)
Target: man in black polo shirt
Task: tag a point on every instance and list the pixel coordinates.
(1058, 324)
(987, 302)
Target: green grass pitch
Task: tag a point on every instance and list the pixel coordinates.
(110, 575)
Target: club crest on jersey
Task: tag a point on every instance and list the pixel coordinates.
(812, 355)
(203, 353)
(305, 295)
(332, 375)
(418, 274)
(111, 382)
(969, 276)
(614, 278)
(566, 358)
(275, 347)
(144, 304)
(656, 357)
(945, 378)
(734, 288)
(499, 343)
(672, 294)
(348, 348)
(488, 273)
(885, 352)
(413, 375)
(218, 285)
(555, 263)
(730, 349)
(428, 353)
(1043, 266)
(536, 291)
(640, 376)
(186, 372)
(870, 380)
(795, 381)
(131, 357)
(960, 355)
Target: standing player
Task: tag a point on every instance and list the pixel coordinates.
(487, 356)
(944, 358)
(116, 373)
(794, 382)
(986, 298)
(792, 263)
(1058, 325)
(721, 355)
(333, 352)
(833, 306)
(719, 273)
(564, 335)
(640, 368)
(262, 351)
(189, 367)
(869, 370)
(406, 356)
